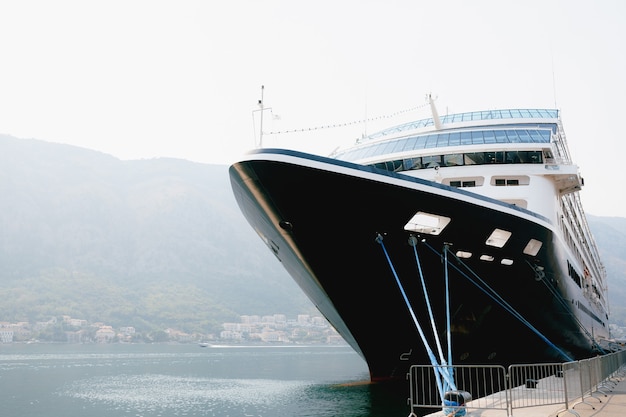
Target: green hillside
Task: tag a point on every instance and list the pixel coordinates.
(156, 242)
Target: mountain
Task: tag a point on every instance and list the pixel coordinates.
(154, 243)
(148, 243)
(610, 236)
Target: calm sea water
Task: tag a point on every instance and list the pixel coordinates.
(46, 380)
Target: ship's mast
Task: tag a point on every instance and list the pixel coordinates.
(433, 110)
(261, 122)
(261, 111)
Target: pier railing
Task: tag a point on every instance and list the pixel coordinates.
(486, 384)
(509, 389)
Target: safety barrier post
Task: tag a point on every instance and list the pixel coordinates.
(536, 385)
(487, 386)
(586, 386)
(521, 386)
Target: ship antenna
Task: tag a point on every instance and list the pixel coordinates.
(261, 110)
(553, 80)
(261, 122)
(433, 110)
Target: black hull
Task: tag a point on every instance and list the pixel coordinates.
(321, 218)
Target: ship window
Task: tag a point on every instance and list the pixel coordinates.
(532, 247)
(386, 148)
(506, 261)
(465, 182)
(421, 142)
(524, 136)
(487, 258)
(431, 161)
(477, 138)
(454, 139)
(370, 151)
(410, 144)
(530, 157)
(476, 158)
(512, 157)
(398, 146)
(511, 181)
(453, 160)
(412, 163)
(463, 254)
(541, 134)
(394, 166)
(494, 157)
(498, 238)
(431, 141)
(500, 136)
(431, 224)
(490, 137)
(512, 135)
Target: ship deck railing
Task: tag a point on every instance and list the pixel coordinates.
(511, 389)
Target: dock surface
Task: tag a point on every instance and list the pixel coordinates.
(613, 404)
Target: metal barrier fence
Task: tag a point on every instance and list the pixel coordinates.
(486, 384)
(496, 388)
(536, 385)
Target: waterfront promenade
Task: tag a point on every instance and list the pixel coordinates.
(613, 404)
(594, 387)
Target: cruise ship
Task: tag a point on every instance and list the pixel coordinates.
(461, 233)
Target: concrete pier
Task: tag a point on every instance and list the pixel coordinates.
(613, 404)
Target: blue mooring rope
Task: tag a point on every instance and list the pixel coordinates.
(440, 369)
(498, 299)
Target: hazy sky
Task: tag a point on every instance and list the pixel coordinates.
(144, 79)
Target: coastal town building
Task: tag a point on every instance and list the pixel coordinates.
(278, 329)
(105, 334)
(6, 335)
(275, 328)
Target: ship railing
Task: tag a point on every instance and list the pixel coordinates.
(507, 390)
(557, 160)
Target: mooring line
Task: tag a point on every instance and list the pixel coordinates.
(501, 301)
(439, 368)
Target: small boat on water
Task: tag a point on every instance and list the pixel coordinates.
(465, 230)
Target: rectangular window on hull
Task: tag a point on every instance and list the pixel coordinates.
(428, 223)
(464, 182)
(511, 181)
(532, 247)
(498, 238)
